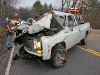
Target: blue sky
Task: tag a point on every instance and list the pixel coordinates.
(29, 3)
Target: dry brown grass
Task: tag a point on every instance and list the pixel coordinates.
(2, 36)
(2, 29)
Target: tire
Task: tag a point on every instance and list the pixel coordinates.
(22, 52)
(58, 56)
(16, 57)
(25, 55)
(84, 41)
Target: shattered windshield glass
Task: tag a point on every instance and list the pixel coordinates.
(61, 19)
(55, 24)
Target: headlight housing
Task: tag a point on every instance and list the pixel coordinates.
(37, 44)
(34, 45)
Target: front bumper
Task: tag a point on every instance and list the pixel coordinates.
(32, 51)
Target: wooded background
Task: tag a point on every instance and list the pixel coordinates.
(90, 9)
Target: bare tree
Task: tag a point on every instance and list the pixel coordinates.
(68, 5)
(63, 3)
(6, 6)
(74, 3)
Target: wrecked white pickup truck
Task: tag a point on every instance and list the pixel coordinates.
(51, 36)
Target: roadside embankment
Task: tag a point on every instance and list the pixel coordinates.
(2, 36)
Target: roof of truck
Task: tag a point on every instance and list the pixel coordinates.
(61, 13)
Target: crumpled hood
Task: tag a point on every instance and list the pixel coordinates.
(38, 26)
(44, 22)
(35, 28)
(41, 24)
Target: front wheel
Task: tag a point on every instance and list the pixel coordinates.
(58, 56)
(22, 53)
(25, 55)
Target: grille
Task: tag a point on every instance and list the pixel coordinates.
(29, 43)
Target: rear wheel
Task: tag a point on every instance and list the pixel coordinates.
(84, 41)
(58, 56)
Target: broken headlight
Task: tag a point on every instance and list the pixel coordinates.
(38, 46)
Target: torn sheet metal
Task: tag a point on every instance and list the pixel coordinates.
(45, 21)
(35, 28)
(40, 24)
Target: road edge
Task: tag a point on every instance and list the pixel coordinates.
(9, 62)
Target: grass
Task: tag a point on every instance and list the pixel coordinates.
(2, 40)
(2, 29)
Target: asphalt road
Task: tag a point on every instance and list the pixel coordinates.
(82, 60)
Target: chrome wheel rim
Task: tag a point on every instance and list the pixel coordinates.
(60, 58)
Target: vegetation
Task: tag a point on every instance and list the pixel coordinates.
(2, 41)
(2, 35)
(91, 9)
(91, 13)
(41, 9)
(2, 29)
(6, 8)
(37, 7)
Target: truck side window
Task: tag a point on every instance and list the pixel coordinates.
(71, 21)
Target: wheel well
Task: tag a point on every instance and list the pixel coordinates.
(87, 32)
(62, 43)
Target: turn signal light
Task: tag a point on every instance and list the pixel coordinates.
(39, 51)
(48, 48)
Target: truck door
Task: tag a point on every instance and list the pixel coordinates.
(74, 35)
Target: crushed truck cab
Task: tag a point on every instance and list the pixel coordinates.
(51, 36)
